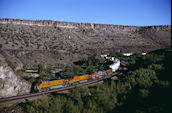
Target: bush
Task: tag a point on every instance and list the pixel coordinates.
(144, 92)
(77, 69)
(92, 60)
(41, 67)
(151, 58)
(0, 45)
(45, 105)
(155, 67)
(79, 93)
(44, 76)
(142, 77)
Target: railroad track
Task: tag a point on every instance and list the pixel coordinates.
(27, 96)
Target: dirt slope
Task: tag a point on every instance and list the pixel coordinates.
(28, 43)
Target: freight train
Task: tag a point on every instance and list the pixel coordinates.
(46, 85)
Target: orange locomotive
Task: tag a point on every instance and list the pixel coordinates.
(61, 82)
(51, 84)
(46, 85)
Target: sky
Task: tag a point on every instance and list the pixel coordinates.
(117, 12)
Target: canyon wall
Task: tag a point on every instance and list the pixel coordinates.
(27, 43)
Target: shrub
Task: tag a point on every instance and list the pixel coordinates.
(41, 67)
(144, 92)
(0, 45)
(142, 77)
(155, 67)
(92, 60)
(44, 76)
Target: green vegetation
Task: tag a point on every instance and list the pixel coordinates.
(92, 64)
(44, 72)
(41, 67)
(26, 76)
(144, 89)
(0, 45)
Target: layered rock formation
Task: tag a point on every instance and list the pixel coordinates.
(10, 83)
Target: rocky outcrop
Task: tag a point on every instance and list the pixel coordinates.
(75, 25)
(10, 83)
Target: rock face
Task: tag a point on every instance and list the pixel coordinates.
(10, 83)
(27, 43)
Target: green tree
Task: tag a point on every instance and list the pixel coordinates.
(92, 60)
(90, 106)
(142, 77)
(143, 92)
(41, 67)
(39, 106)
(105, 97)
(0, 45)
(57, 104)
(68, 72)
(155, 67)
(151, 58)
(164, 84)
(79, 92)
(70, 107)
(90, 69)
(44, 76)
(77, 69)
